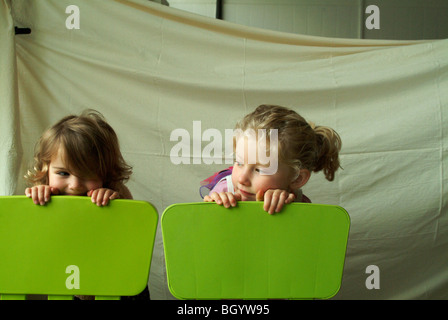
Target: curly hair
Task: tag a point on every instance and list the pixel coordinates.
(89, 147)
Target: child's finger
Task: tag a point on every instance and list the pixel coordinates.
(100, 197)
(109, 195)
(225, 199)
(41, 195)
(259, 196)
(272, 205)
(34, 195)
(216, 197)
(290, 198)
(93, 195)
(273, 201)
(47, 193)
(232, 199)
(104, 200)
(115, 195)
(267, 198)
(281, 201)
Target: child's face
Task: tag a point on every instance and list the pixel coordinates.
(248, 177)
(68, 184)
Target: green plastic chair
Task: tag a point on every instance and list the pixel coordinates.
(244, 253)
(72, 247)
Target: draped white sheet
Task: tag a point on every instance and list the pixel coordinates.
(152, 69)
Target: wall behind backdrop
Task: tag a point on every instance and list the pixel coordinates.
(151, 69)
(397, 19)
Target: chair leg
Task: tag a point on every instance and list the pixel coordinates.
(107, 297)
(13, 297)
(58, 297)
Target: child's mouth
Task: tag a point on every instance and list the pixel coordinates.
(246, 194)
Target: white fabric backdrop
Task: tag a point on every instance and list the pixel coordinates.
(151, 69)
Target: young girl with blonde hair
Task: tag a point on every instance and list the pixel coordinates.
(300, 148)
(79, 156)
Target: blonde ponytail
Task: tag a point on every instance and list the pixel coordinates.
(328, 146)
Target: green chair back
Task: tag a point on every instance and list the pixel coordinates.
(72, 247)
(244, 253)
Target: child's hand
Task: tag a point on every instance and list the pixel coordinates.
(102, 196)
(40, 194)
(227, 199)
(274, 199)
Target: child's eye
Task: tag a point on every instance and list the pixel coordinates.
(238, 163)
(261, 170)
(63, 173)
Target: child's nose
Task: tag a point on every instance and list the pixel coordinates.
(244, 177)
(76, 183)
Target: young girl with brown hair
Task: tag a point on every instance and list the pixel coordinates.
(79, 156)
(300, 148)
